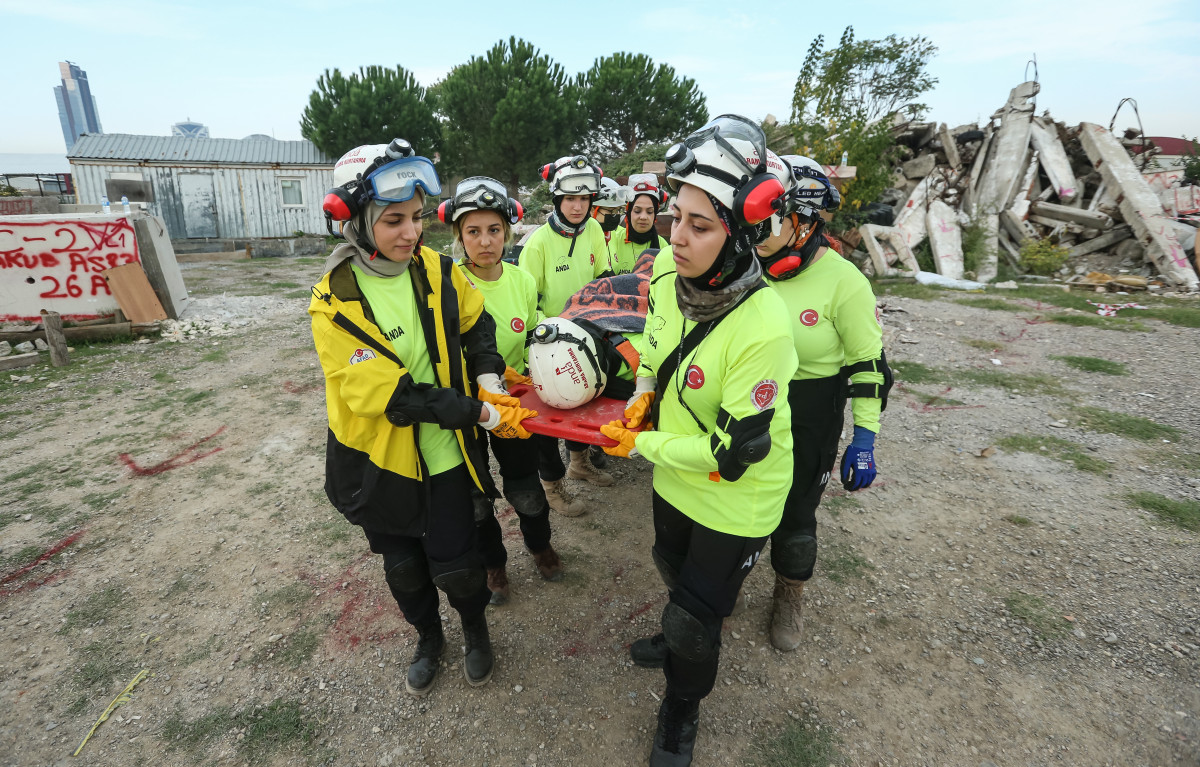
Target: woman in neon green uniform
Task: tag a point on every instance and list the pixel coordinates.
(641, 214)
(481, 215)
(837, 335)
(716, 354)
(400, 334)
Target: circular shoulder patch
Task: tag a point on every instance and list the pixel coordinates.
(764, 394)
(809, 317)
(517, 324)
(695, 377)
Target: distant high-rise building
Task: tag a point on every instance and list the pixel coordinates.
(76, 106)
(189, 129)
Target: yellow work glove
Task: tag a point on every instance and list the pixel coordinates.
(626, 439)
(492, 390)
(639, 411)
(512, 378)
(505, 421)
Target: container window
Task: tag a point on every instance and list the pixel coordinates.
(292, 193)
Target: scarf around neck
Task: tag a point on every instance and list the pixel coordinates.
(355, 248)
(700, 305)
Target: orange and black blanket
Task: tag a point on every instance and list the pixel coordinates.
(616, 304)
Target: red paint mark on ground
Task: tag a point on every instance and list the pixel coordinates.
(1005, 337)
(182, 458)
(20, 572)
(294, 388)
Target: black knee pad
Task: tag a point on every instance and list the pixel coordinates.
(461, 584)
(793, 553)
(408, 575)
(484, 507)
(528, 503)
(669, 572)
(686, 634)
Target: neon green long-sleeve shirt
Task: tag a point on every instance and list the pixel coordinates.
(557, 269)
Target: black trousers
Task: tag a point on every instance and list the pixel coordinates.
(448, 545)
(519, 470)
(818, 412)
(550, 463)
(711, 567)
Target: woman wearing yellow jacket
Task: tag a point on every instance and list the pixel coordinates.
(715, 357)
(401, 336)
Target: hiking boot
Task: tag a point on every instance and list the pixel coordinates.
(479, 661)
(650, 652)
(561, 500)
(426, 660)
(497, 580)
(549, 565)
(678, 721)
(598, 456)
(581, 468)
(787, 622)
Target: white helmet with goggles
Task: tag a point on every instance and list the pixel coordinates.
(809, 190)
(572, 176)
(565, 364)
(612, 194)
(725, 158)
(384, 173)
(480, 193)
(647, 183)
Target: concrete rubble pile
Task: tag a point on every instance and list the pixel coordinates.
(1026, 177)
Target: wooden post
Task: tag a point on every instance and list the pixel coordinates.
(55, 339)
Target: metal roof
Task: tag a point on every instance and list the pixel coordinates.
(184, 151)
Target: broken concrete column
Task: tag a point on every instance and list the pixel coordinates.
(945, 239)
(1140, 206)
(950, 147)
(886, 245)
(919, 167)
(1053, 157)
(1006, 164)
(1094, 220)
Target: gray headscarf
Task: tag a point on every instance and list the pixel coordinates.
(368, 261)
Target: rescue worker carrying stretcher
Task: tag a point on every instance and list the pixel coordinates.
(716, 352)
(412, 376)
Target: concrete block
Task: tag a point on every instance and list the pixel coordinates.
(158, 260)
(919, 167)
(945, 239)
(1053, 157)
(950, 147)
(1006, 163)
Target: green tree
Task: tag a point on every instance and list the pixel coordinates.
(630, 101)
(507, 113)
(842, 99)
(631, 162)
(372, 106)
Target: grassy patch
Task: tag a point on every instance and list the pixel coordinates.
(164, 377)
(1017, 519)
(98, 501)
(1132, 426)
(99, 606)
(1038, 383)
(981, 344)
(266, 730)
(1057, 448)
(289, 598)
(907, 290)
(202, 651)
(935, 399)
(215, 355)
(331, 531)
(1096, 321)
(1036, 614)
(1094, 365)
(840, 563)
(801, 744)
(22, 557)
(192, 398)
(299, 649)
(995, 304)
(915, 372)
(836, 504)
(1186, 316)
(1184, 514)
(102, 662)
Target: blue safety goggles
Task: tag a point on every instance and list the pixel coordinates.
(397, 181)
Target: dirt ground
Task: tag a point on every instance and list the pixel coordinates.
(161, 508)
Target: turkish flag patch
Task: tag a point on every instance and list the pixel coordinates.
(764, 394)
(517, 324)
(361, 355)
(695, 377)
(809, 317)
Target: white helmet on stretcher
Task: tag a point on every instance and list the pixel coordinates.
(564, 364)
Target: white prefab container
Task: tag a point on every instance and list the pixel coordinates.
(207, 188)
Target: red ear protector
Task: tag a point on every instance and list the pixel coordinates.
(798, 257)
(445, 211)
(757, 199)
(343, 203)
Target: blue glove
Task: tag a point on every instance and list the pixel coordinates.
(858, 463)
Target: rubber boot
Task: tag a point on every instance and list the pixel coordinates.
(422, 672)
(787, 621)
(649, 652)
(549, 564)
(678, 721)
(561, 500)
(598, 456)
(497, 581)
(581, 468)
(479, 659)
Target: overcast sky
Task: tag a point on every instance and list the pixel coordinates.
(248, 67)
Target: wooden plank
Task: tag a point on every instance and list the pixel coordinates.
(89, 333)
(18, 361)
(132, 290)
(55, 339)
(1139, 205)
(1071, 215)
(1053, 157)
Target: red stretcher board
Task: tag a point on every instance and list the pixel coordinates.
(582, 424)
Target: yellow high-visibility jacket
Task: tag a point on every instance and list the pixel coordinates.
(374, 470)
